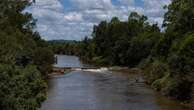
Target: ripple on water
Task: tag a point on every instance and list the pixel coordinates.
(93, 91)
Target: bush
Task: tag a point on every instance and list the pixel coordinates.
(187, 51)
(177, 80)
(155, 71)
(44, 58)
(99, 60)
(178, 88)
(178, 65)
(159, 84)
(21, 88)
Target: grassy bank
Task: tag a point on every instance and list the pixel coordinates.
(158, 76)
(162, 78)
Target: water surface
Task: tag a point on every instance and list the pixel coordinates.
(67, 61)
(103, 90)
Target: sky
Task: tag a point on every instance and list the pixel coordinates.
(74, 19)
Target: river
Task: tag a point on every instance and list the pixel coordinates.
(101, 90)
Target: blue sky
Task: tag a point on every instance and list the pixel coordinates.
(74, 19)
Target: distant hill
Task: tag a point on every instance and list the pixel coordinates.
(62, 41)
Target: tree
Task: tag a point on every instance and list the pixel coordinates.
(175, 49)
(180, 16)
(123, 43)
(21, 89)
(43, 58)
(22, 85)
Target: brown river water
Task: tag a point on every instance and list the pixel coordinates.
(102, 90)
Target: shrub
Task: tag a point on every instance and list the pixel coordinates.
(99, 60)
(178, 65)
(187, 51)
(159, 84)
(155, 71)
(178, 88)
(43, 57)
(21, 88)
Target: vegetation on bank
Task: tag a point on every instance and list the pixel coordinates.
(65, 47)
(167, 57)
(25, 58)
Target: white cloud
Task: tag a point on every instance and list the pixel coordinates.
(73, 16)
(93, 4)
(54, 22)
(154, 9)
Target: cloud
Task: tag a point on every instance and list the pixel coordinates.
(75, 20)
(73, 16)
(154, 10)
(93, 4)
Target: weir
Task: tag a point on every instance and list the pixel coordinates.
(64, 69)
(64, 63)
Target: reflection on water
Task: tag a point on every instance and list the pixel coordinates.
(67, 61)
(88, 90)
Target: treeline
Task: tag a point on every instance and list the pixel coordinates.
(25, 58)
(166, 57)
(67, 47)
(121, 43)
(170, 67)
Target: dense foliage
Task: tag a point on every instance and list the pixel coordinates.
(124, 43)
(24, 58)
(175, 51)
(67, 47)
(21, 88)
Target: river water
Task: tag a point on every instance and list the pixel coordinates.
(101, 90)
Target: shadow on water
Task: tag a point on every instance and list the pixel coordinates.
(84, 90)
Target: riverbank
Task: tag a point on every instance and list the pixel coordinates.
(189, 104)
(58, 73)
(125, 70)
